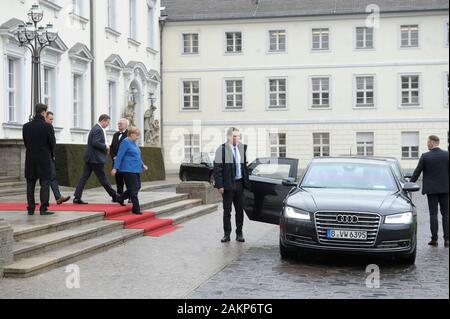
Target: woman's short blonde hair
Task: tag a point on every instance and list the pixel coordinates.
(133, 130)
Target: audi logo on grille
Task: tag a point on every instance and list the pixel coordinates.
(347, 219)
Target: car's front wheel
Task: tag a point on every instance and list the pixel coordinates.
(409, 259)
(286, 253)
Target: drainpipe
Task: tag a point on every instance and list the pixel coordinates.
(162, 23)
(93, 64)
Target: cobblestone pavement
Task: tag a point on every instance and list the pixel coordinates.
(260, 273)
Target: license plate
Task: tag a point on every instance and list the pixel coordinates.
(346, 234)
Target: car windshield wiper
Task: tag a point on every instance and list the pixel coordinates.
(312, 187)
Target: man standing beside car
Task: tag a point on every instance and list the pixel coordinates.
(231, 177)
(434, 165)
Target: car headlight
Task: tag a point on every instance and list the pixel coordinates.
(295, 213)
(404, 218)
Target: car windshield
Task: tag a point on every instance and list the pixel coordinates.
(349, 176)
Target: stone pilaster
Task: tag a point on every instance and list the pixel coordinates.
(6, 245)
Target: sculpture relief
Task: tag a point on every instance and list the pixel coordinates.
(152, 127)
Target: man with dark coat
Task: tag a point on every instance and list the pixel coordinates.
(118, 137)
(231, 177)
(95, 159)
(434, 166)
(39, 140)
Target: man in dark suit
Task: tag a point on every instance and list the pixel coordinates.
(434, 166)
(117, 140)
(39, 140)
(95, 159)
(231, 177)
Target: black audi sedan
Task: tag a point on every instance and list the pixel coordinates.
(341, 205)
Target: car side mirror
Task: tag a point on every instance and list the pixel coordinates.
(290, 182)
(411, 187)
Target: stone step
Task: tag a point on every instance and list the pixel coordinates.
(34, 265)
(12, 191)
(176, 206)
(52, 224)
(60, 239)
(163, 201)
(12, 184)
(163, 185)
(191, 213)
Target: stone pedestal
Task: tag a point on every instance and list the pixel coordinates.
(6, 245)
(200, 190)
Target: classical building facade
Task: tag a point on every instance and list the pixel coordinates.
(106, 60)
(305, 78)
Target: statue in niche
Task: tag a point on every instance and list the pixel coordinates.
(152, 127)
(130, 112)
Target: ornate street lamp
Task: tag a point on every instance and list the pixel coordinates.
(152, 99)
(35, 39)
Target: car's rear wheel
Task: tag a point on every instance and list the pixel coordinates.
(212, 181)
(286, 253)
(184, 177)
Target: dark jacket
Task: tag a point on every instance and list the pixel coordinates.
(116, 143)
(434, 165)
(97, 148)
(39, 140)
(225, 167)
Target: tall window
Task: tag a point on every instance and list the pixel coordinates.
(364, 38)
(48, 85)
(365, 144)
(191, 147)
(150, 26)
(410, 145)
(277, 145)
(12, 90)
(321, 39)
(234, 94)
(321, 143)
(191, 95)
(410, 90)
(365, 91)
(112, 100)
(409, 36)
(77, 7)
(112, 14)
(446, 90)
(133, 19)
(277, 93)
(77, 100)
(234, 42)
(277, 40)
(320, 92)
(190, 43)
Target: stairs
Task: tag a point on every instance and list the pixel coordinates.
(66, 237)
(10, 186)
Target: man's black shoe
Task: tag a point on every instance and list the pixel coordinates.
(137, 213)
(79, 201)
(446, 243)
(120, 201)
(30, 213)
(433, 243)
(226, 239)
(47, 213)
(240, 238)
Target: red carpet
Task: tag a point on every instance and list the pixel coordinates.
(153, 226)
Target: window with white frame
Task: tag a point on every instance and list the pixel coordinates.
(11, 88)
(234, 94)
(321, 144)
(365, 144)
(77, 7)
(277, 145)
(320, 92)
(410, 145)
(364, 38)
(190, 43)
(191, 95)
(409, 36)
(112, 24)
(277, 93)
(277, 40)
(77, 100)
(112, 98)
(48, 92)
(191, 147)
(321, 39)
(446, 35)
(233, 42)
(410, 89)
(132, 19)
(365, 91)
(446, 90)
(151, 25)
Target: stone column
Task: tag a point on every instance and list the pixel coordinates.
(6, 245)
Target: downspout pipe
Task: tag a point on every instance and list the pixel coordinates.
(93, 63)
(162, 23)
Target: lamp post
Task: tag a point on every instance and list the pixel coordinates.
(35, 39)
(152, 98)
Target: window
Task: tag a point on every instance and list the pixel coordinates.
(234, 94)
(410, 145)
(321, 39)
(365, 91)
(409, 36)
(320, 92)
(190, 43)
(77, 7)
(77, 100)
(112, 14)
(133, 19)
(446, 90)
(12, 90)
(191, 147)
(410, 90)
(446, 40)
(112, 100)
(277, 93)
(365, 144)
(277, 40)
(191, 95)
(364, 38)
(234, 42)
(277, 145)
(48, 88)
(151, 26)
(321, 143)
